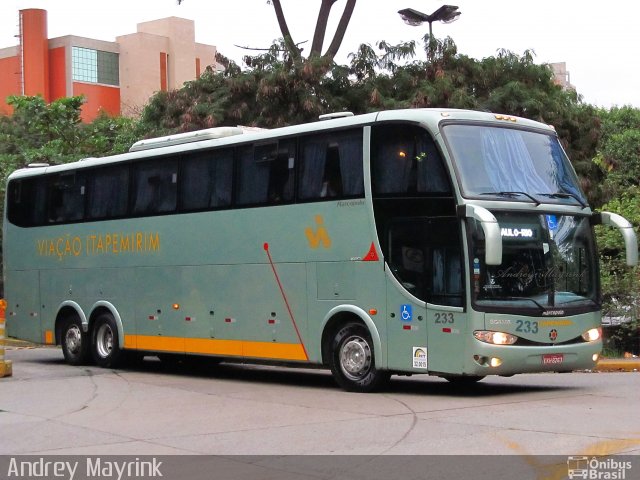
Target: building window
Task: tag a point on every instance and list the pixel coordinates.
(95, 66)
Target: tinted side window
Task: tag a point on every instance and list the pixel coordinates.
(206, 180)
(406, 161)
(331, 166)
(155, 187)
(108, 192)
(266, 173)
(27, 201)
(67, 197)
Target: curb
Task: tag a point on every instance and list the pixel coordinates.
(6, 368)
(15, 343)
(618, 365)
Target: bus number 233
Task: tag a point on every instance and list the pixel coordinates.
(445, 317)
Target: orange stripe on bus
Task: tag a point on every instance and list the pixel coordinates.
(232, 348)
(158, 343)
(205, 346)
(280, 351)
(131, 341)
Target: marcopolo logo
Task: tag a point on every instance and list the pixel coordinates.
(598, 468)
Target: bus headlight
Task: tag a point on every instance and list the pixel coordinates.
(495, 338)
(592, 335)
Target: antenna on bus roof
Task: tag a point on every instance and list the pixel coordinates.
(330, 116)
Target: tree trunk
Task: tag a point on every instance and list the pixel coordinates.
(340, 31)
(284, 29)
(321, 27)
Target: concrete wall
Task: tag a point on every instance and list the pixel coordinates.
(162, 55)
(139, 69)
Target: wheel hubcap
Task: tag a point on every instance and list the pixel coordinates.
(73, 339)
(104, 340)
(355, 358)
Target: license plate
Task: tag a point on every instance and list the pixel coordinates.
(552, 359)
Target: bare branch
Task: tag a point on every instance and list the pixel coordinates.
(284, 29)
(340, 31)
(321, 27)
(267, 49)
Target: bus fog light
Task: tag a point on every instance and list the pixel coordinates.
(495, 338)
(480, 360)
(495, 362)
(595, 357)
(592, 335)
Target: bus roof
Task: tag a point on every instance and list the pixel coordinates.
(226, 136)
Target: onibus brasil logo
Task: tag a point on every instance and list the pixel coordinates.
(597, 468)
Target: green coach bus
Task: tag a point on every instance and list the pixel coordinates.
(447, 242)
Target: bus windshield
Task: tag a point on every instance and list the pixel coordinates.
(520, 165)
(548, 262)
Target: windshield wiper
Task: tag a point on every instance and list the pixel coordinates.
(513, 194)
(564, 195)
(538, 304)
(576, 300)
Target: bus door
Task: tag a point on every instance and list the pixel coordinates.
(446, 319)
(406, 326)
(425, 257)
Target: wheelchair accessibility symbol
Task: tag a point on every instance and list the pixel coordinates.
(405, 313)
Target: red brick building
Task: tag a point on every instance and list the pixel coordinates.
(115, 77)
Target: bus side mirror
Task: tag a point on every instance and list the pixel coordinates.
(491, 229)
(628, 233)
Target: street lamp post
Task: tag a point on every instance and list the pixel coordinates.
(445, 14)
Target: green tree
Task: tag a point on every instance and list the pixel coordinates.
(272, 90)
(620, 284)
(40, 132)
(618, 160)
(618, 153)
(52, 133)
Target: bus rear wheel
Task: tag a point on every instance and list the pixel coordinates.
(353, 360)
(75, 342)
(105, 342)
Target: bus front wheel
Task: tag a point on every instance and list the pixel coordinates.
(105, 342)
(75, 342)
(353, 361)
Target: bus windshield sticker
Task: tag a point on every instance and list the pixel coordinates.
(552, 224)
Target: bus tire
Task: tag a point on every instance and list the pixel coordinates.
(75, 342)
(353, 360)
(105, 344)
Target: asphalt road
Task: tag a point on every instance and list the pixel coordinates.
(48, 407)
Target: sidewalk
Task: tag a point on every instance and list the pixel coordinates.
(12, 343)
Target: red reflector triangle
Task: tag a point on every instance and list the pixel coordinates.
(372, 255)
